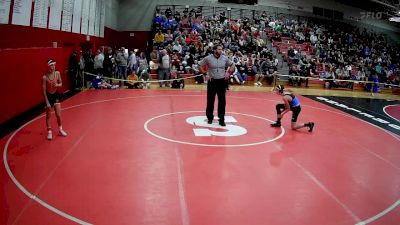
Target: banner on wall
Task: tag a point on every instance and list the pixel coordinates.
(66, 24)
(97, 20)
(92, 16)
(40, 13)
(102, 18)
(55, 14)
(4, 11)
(85, 17)
(76, 17)
(22, 12)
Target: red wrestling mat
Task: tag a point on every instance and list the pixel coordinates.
(393, 111)
(149, 157)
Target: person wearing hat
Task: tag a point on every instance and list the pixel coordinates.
(51, 81)
(291, 103)
(217, 83)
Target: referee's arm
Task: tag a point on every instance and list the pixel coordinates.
(202, 63)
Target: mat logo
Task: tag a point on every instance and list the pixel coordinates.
(362, 115)
(208, 130)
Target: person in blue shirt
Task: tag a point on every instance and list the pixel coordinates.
(291, 103)
(373, 84)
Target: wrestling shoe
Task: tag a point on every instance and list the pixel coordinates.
(310, 126)
(62, 133)
(49, 135)
(276, 124)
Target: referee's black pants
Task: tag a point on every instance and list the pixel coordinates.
(216, 87)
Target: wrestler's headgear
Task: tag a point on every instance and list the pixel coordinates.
(51, 62)
(280, 88)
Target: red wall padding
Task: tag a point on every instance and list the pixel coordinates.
(21, 75)
(25, 50)
(13, 36)
(117, 39)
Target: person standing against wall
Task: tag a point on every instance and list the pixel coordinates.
(217, 82)
(164, 71)
(51, 81)
(73, 67)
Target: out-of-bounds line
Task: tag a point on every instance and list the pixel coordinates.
(379, 215)
(65, 215)
(181, 187)
(23, 189)
(384, 110)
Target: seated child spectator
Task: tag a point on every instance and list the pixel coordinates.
(133, 81)
(177, 82)
(145, 78)
(99, 83)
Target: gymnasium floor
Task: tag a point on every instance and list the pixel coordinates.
(149, 157)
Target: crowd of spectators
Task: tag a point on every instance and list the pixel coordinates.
(187, 37)
(312, 48)
(340, 51)
(320, 49)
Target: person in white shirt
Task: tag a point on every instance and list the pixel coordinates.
(313, 39)
(177, 47)
(164, 72)
(98, 62)
(132, 62)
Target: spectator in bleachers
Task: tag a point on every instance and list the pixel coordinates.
(293, 75)
(177, 47)
(313, 39)
(240, 73)
(155, 54)
(168, 38)
(330, 76)
(159, 38)
(360, 74)
(259, 77)
(176, 58)
(333, 45)
(267, 69)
